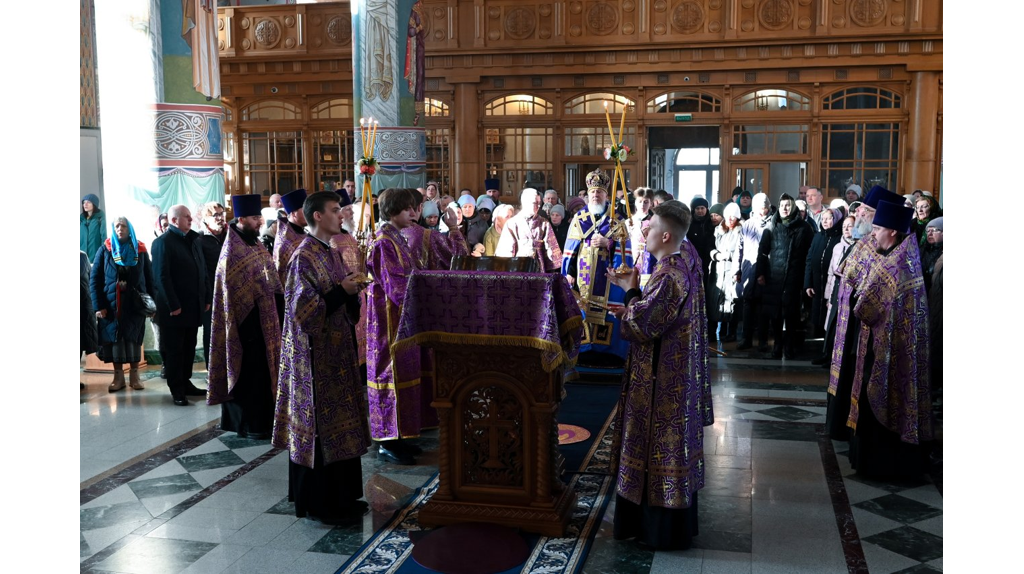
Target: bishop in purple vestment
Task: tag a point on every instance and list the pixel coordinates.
(530, 235)
(666, 392)
(319, 417)
(891, 408)
(290, 231)
(246, 335)
(399, 403)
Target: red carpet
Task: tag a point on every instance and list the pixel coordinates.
(470, 548)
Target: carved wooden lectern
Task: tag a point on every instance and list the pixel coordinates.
(501, 344)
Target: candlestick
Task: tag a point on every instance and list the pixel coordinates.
(622, 124)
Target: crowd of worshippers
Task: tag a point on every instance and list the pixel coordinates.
(298, 340)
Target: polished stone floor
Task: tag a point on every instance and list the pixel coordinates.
(162, 490)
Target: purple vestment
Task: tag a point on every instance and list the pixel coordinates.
(524, 236)
(245, 280)
(320, 394)
(432, 249)
(852, 274)
(346, 244)
(893, 308)
(286, 241)
(399, 403)
(666, 398)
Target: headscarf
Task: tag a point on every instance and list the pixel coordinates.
(158, 229)
(840, 204)
(125, 254)
(485, 202)
(746, 211)
(575, 204)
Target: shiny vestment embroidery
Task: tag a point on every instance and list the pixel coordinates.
(319, 351)
(853, 273)
(662, 417)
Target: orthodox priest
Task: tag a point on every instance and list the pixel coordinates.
(891, 407)
(291, 230)
(246, 335)
(590, 251)
(319, 417)
(666, 394)
(530, 235)
(853, 271)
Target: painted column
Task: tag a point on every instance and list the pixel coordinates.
(388, 84)
(922, 132)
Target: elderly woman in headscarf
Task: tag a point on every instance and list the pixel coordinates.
(925, 210)
(121, 272)
(559, 224)
(92, 225)
(816, 269)
(501, 214)
(431, 216)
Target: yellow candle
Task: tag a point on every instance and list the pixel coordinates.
(624, 194)
(622, 124)
(362, 134)
(373, 143)
(609, 119)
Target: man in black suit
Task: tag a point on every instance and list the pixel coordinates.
(181, 300)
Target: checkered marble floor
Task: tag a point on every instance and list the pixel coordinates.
(211, 502)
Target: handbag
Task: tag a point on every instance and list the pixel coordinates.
(144, 303)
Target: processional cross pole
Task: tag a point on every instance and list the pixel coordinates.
(619, 153)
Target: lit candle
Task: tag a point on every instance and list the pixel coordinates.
(373, 137)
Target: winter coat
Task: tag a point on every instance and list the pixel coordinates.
(92, 232)
(935, 325)
(726, 260)
(816, 270)
(782, 255)
(833, 276)
(702, 236)
(750, 239)
(211, 245)
(131, 324)
(930, 253)
(89, 341)
(179, 275)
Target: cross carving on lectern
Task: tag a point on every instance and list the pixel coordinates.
(493, 425)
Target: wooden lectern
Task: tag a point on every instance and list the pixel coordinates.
(498, 376)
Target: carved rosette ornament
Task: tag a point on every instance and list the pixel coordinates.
(267, 33)
(602, 19)
(867, 13)
(520, 23)
(775, 14)
(688, 17)
(339, 30)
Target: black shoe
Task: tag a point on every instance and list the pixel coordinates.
(163, 372)
(194, 391)
(180, 400)
(745, 345)
(407, 447)
(395, 456)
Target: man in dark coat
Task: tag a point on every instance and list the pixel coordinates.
(781, 260)
(181, 300)
(212, 233)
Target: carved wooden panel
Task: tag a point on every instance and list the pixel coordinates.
(440, 22)
(602, 21)
(511, 22)
(289, 30)
(686, 20)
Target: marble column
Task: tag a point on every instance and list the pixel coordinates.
(922, 132)
(388, 84)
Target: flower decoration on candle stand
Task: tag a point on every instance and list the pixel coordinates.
(619, 152)
(367, 165)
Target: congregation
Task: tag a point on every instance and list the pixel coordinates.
(298, 328)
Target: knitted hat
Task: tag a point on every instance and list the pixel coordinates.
(856, 189)
(759, 201)
(559, 209)
(430, 209)
(717, 208)
(246, 205)
(293, 201)
(93, 198)
(575, 204)
(698, 202)
(732, 210)
(937, 222)
(893, 215)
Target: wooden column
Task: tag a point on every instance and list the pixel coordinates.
(467, 139)
(922, 132)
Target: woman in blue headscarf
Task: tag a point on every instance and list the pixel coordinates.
(92, 225)
(121, 269)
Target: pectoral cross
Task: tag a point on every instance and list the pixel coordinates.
(493, 425)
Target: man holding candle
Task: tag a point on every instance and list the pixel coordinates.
(590, 250)
(666, 400)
